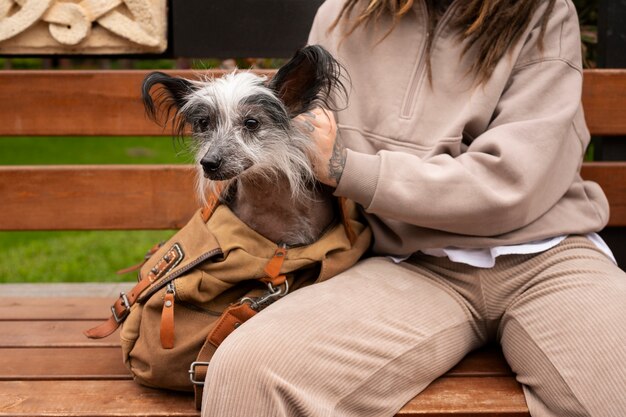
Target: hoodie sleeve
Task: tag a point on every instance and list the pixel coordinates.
(512, 173)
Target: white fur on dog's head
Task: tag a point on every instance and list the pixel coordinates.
(242, 125)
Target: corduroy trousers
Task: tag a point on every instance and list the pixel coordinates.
(367, 341)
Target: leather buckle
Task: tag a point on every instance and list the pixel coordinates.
(169, 261)
(125, 304)
(192, 372)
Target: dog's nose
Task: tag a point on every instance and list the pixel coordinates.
(211, 163)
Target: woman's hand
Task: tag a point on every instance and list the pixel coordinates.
(329, 157)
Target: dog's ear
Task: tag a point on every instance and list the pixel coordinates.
(170, 95)
(308, 80)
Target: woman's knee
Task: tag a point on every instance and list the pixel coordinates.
(567, 344)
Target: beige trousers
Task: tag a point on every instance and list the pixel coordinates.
(367, 341)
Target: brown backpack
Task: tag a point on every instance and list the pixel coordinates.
(210, 277)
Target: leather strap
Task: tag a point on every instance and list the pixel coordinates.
(122, 305)
(198, 389)
(345, 216)
(120, 310)
(167, 321)
(213, 200)
(273, 266)
(231, 318)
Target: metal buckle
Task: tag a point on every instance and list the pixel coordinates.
(126, 304)
(273, 294)
(192, 372)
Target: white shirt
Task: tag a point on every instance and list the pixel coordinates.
(486, 258)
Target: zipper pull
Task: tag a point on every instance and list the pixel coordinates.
(167, 317)
(273, 266)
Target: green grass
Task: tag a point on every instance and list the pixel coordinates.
(91, 256)
(73, 256)
(90, 150)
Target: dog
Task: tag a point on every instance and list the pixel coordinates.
(247, 143)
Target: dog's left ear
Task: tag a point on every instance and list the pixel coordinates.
(171, 93)
(308, 80)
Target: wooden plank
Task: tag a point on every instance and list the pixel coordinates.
(55, 308)
(62, 364)
(72, 103)
(108, 102)
(604, 101)
(469, 397)
(41, 334)
(462, 397)
(85, 103)
(90, 399)
(155, 196)
(103, 197)
(612, 178)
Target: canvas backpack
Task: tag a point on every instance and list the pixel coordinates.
(211, 276)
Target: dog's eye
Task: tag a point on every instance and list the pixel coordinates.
(251, 124)
(201, 124)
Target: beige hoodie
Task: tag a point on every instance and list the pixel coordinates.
(455, 164)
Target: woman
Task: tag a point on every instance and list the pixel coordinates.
(463, 141)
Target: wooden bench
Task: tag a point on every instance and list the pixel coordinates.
(48, 368)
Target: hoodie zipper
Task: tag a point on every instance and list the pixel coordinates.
(418, 75)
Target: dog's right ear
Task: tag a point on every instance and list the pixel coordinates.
(170, 95)
(309, 79)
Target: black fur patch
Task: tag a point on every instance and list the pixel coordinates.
(308, 80)
(169, 97)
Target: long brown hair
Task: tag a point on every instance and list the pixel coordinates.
(493, 26)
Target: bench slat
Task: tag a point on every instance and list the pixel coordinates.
(604, 101)
(469, 397)
(108, 102)
(68, 364)
(78, 103)
(117, 197)
(463, 397)
(90, 399)
(612, 178)
(55, 308)
(41, 334)
(106, 197)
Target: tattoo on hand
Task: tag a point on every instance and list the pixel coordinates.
(306, 125)
(337, 160)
